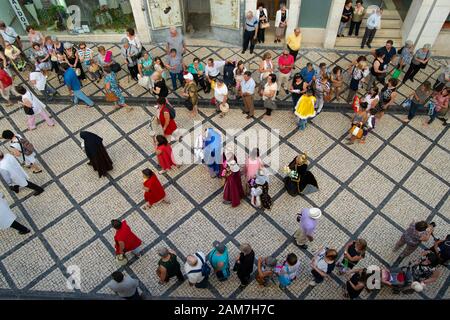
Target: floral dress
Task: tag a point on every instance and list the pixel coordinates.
(114, 87)
(147, 66)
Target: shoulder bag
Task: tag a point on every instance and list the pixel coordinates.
(111, 97)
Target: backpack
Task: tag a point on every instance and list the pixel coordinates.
(171, 109)
(26, 146)
(205, 269)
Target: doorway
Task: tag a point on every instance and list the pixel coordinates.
(272, 7)
(197, 19)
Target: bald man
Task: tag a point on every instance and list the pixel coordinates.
(175, 41)
(193, 270)
(250, 31)
(294, 42)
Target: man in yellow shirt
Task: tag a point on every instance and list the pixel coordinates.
(294, 42)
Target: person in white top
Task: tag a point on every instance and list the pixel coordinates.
(212, 71)
(133, 39)
(8, 34)
(372, 25)
(372, 98)
(33, 106)
(15, 176)
(269, 94)
(193, 270)
(39, 81)
(281, 20)
(8, 218)
(22, 150)
(220, 94)
(265, 67)
(290, 267)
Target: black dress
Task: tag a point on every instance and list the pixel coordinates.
(72, 60)
(296, 186)
(266, 200)
(96, 153)
(352, 293)
(164, 91)
(245, 267)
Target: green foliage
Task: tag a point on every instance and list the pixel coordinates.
(112, 19)
(50, 18)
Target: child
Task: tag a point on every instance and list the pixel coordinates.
(305, 109)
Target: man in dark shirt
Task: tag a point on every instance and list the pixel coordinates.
(389, 52)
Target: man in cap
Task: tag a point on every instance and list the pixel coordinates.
(308, 222)
(190, 92)
(266, 270)
(168, 266)
(194, 270)
(220, 261)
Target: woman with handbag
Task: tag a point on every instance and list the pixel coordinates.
(105, 58)
(358, 121)
(261, 14)
(145, 68)
(73, 60)
(113, 91)
(33, 106)
(130, 53)
(281, 20)
(419, 61)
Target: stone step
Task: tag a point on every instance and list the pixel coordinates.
(354, 42)
(382, 33)
(387, 24)
(387, 14)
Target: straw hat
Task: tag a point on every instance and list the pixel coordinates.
(315, 213)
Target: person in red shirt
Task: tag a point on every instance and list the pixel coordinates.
(125, 239)
(167, 123)
(164, 153)
(285, 65)
(6, 86)
(154, 191)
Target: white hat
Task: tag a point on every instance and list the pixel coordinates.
(234, 167)
(417, 286)
(260, 180)
(315, 213)
(188, 76)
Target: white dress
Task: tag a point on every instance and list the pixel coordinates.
(7, 217)
(12, 172)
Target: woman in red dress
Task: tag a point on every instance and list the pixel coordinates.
(233, 191)
(168, 125)
(164, 153)
(154, 191)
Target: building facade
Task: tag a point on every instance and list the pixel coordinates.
(422, 21)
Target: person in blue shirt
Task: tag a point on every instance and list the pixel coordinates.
(308, 73)
(74, 85)
(220, 261)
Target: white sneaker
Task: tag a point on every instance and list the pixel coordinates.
(312, 283)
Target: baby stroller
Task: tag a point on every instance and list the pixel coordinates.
(399, 279)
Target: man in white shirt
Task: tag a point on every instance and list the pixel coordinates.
(212, 71)
(193, 270)
(39, 81)
(124, 286)
(10, 35)
(247, 92)
(373, 23)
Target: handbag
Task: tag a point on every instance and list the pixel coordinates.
(115, 67)
(143, 81)
(396, 73)
(328, 97)
(111, 97)
(28, 111)
(265, 25)
(431, 106)
(93, 68)
(356, 131)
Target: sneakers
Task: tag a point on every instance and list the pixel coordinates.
(25, 232)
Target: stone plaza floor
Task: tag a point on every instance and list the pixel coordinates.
(371, 191)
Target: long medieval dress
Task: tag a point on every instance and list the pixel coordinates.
(296, 186)
(96, 153)
(233, 190)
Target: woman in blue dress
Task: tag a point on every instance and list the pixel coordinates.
(111, 85)
(213, 152)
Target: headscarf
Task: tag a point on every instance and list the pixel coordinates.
(92, 143)
(213, 150)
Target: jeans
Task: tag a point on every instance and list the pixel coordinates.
(174, 76)
(413, 109)
(261, 35)
(372, 79)
(341, 28)
(354, 25)
(302, 124)
(80, 95)
(317, 276)
(411, 72)
(319, 102)
(48, 91)
(248, 37)
(369, 34)
(295, 98)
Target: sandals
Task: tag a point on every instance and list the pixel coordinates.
(36, 172)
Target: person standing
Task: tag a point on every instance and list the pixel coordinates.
(406, 55)
(112, 85)
(269, 94)
(96, 153)
(387, 97)
(308, 74)
(244, 264)
(176, 68)
(175, 41)
(233, 191)
(6, 86)
(35, 36)
(419, 61)
(131, 55)
(248, 86)
(294, 42)
(322, 89)
(190, 92)
(373, 23)
(281, 21)
(307, 219)
(125, 240)
(8, 219)
(165, 119)
(124, 286)
(15, 176)
(74, 85)
(250, 32)
(197, 69)
(357, 282)
(39, 81)
(298, 176)
(33, 106)
(337, 80)
(357, 17)
(418, 99)
(168, 266)
(134, 40)
(414, 235)
(220, 94)
(266, 67)
(153, 190)
(263, 19)
(378, 70)
(220, 261)
(354, 252)
(164, 153)
(346, 16)
(285, 65)
(266, 270)
(194, 268)
(288, 270)
(159, 86)
(322, 264)
(73, 60)
(440, 102)
(22, 149)
(297, 89)
(443, 80)
(8, 34)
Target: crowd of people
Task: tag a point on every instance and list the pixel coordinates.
(310, 88)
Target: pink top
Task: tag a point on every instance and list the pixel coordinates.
(252, 166)
(441, 101)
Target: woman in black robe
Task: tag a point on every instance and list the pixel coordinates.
(96, 153)
(295, 185)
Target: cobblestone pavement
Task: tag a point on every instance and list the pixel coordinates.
(372, 191)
